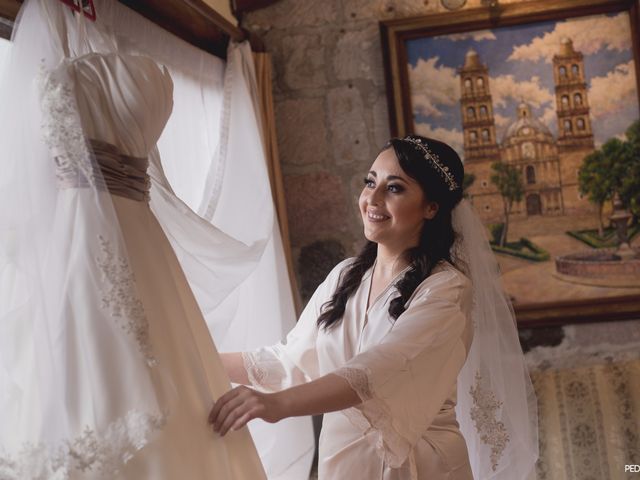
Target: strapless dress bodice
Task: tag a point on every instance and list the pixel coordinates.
(123, 100)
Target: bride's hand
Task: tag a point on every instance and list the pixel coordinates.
(236, 407)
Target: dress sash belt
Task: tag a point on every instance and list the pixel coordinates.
(121, 174)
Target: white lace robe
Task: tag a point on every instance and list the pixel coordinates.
(404, 371)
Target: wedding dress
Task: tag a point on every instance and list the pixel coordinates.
(107, 369)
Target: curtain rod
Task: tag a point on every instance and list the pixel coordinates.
(9, 9)
(192, 20)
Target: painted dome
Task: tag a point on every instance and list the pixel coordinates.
(526, 125)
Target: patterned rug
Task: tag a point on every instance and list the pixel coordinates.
(589, 421)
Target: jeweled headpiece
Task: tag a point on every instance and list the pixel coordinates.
(434, 160)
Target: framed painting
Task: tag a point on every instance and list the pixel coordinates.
(540, 99)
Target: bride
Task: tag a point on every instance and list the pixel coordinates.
(107, 369)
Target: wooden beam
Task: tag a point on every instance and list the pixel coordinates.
(9, 9)
(192, 20)
(6, 27)
(243, 6)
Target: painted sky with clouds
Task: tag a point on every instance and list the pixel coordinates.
(520, 68)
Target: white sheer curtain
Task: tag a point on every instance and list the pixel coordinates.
(4, 51)
(197, 101)
(261, 311)
(214, 160)
(7, 271)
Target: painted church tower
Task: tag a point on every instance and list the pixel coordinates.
(480, 142)
(572, 105)
(575, 137)
(481, 148)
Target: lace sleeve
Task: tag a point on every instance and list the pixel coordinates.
(271, 369)
(294, 361)
(373, 417)
(263, 369)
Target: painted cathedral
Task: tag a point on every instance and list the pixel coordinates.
(549, 166)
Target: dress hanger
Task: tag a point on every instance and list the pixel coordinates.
(85, 6)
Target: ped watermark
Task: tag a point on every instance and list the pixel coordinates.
(632, 468)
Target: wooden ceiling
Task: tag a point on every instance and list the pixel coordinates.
(192, 20)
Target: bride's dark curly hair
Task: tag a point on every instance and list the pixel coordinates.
(436, 238)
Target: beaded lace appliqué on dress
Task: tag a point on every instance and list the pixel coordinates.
(101, 453)
(62, 130)
(120, 298)
(483, 413)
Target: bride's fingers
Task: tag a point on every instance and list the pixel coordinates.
(243, 420)
(220, 403)
(232, 416)
(239, 416)
(217, 405)
(227, 413)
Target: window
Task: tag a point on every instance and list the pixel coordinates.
(563, 71)
(473, 136)
(567, 126)
(483, 111)
(471, 113)
(485, 135)
(467, 84)
(564, 100)
(580, 124)
(575, 70)
(577, 99)
(480, 82)
(531, 175)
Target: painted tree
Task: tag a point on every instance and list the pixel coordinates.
(630, 185)
(633, 134)
(611, 169)
(618, 155)
(594, 181)
(508, 181)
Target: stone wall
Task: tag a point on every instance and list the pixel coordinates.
(574, 346)
(331, 117)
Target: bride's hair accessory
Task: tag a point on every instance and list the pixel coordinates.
(434, 160)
